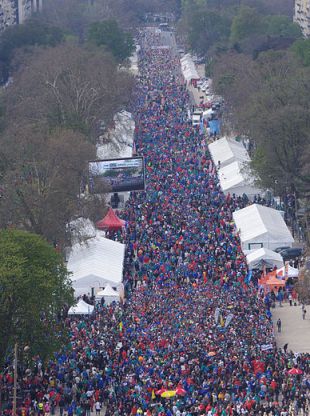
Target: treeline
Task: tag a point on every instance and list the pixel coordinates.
(261, 65)
(65, 85)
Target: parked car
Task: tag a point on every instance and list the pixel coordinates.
(279, 249)
(291, 253)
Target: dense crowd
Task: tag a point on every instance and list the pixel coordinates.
(194, 326)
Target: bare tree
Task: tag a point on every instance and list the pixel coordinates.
(69, 86)
(41, 177)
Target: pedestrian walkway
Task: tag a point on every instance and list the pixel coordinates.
(295, 331)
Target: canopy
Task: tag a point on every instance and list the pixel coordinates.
(110, 222)
(291, 271)
(257, 259)
(120, 139)
(274, 282)
(261, 226)
(109, 294)
(227, 150)
(81, 308)
(214, 126)
(96, 263)
(188, 68)
(234, 180)
(81, 229)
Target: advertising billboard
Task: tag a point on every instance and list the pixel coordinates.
(116, 175)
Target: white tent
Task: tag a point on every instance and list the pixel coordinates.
(109, 294)
(119, 143)
(81, 308)
(227, 150)
(257, 259)
(120, 139)
(81, 229)
(291, 271)
(261, 226)
(95, 263)
(133, 61)
(235, 180)
(188, 68)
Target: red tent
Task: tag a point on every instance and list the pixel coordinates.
(110, 222)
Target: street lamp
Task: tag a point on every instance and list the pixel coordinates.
(26, 349)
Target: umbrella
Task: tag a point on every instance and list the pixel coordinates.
(180, 391)
(160, 391)
(294, 371)
(169, 393)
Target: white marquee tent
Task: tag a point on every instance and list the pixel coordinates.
(109, 294)
(227, 150)
(261, 226)
(188, 68)
(95, 264)
(120, 139)
(234, 180)
(291, 271)
(257, 259)
(81, 308)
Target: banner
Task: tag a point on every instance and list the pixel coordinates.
(216, 315)
(266, 347)
(248, 277)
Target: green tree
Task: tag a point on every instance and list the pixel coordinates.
(301, 49)
(21, 36)
(281, 26)
(246, 23)
(206, 28)
(110, 35)
(34, 287)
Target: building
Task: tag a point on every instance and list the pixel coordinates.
(302, 16)
(17, 11)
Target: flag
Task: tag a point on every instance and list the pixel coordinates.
(222, 323)
(217, 314)
(153, 395)
(248, 277)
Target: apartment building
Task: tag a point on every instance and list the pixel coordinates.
(17, 11)
(302, 16)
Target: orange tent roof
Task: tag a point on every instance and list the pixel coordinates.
(273, 281)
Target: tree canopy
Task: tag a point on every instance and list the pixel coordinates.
(30, 33)
(111, 36)
(34, 287)
(68, 86)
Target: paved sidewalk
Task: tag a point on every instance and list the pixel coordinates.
(295, 330)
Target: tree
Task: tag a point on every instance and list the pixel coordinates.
(207, 28)
(40, 181)
(21, 36)
(111, 36)
(246, 23)
(301, 49)
(281, 26)
(68, 87)
(34, 288)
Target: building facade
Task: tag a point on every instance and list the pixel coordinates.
(302, 16)
(17, 11)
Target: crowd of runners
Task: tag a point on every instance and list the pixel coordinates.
(194, 328)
